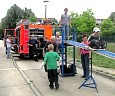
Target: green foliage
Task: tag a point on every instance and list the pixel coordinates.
(84, 22)
(103, 61)
(33, 19)
(74, 19)
(111, 47)
(54, 21)
(112, 17)
(107, 28)
(15, 14)
(28, 14)
(1, 28)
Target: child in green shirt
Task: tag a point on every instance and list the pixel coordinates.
(50, 59)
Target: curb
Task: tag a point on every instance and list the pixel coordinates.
(108, 76)
(98, 72)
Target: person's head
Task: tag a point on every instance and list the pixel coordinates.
(50, 47)
(52, 39)
(84, 38)
(57, 34)
(96, 31)
(66, 10)
(9, 36)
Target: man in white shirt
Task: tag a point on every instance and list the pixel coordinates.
(8, 44)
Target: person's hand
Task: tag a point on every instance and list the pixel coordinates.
(70, 26)
(43, 63)
(60, 25)
(31, 45)
(60, 60)
(90, 57)
(41, 66)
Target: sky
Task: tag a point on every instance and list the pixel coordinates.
(101, 8)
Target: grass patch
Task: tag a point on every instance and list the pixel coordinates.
(98, 60)
(111, 47)
(102, 61)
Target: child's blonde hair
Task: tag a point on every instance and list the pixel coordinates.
(50, 47)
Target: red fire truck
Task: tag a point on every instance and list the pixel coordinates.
(22, 33)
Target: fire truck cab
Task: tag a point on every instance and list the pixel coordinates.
(23, 32)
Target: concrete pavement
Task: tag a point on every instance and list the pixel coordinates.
(12, 82)
(24, 78)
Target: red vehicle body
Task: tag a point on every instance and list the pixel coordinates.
(24, 31)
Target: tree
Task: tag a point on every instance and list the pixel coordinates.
(84, 22)
(107, 28)
(28, 14)
(74, 20)
(33, 19)
(112, 17)
(15, 14)
(1, 28)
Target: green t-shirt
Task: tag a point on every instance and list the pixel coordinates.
(51, 59)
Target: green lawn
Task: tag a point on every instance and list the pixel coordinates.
(111, 47)
(98, 60)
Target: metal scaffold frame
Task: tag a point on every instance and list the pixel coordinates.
(73, 43)
(63, 53)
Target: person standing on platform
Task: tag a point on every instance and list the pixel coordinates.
(65, 23)
(85, 57)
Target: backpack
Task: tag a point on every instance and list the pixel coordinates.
(98, 44)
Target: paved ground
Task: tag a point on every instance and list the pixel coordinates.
(11, 81)
(26, 79)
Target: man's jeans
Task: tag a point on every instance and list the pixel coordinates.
(8, 52)
(66, 31)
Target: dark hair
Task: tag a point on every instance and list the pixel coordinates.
(65, 9)
(84, 36)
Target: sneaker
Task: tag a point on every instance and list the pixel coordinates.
(83, 76)
(75, 72)
(36, 60)
(51, 87)
(8, 57)
(87, 77)
(57, 87)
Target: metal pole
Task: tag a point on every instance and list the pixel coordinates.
(45, 1)
(45, 12)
